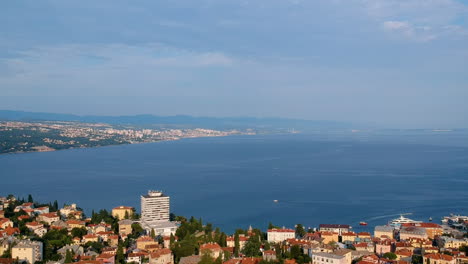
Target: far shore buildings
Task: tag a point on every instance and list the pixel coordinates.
(155, 208)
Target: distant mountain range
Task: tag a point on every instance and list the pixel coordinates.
(180, 120)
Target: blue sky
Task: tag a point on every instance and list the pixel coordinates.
(398, 63)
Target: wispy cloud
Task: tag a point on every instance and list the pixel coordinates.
(409, 31)
(418, 20)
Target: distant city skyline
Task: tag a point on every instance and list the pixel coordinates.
(394, 63)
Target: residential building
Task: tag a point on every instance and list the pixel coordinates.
(383, 246)
(329, 236)
(143, 241)
(269, 255)
(75, 224)
(432, 229)
(438, 259)
(412, 232)
(122, 212)
(5, 222)
(90, 238)
(67, 210)
(161, 256)
(48, 218)
(403, 253)
(328, 258)
(380, 231)
(135, 258)
(125, 227)
(450, 242)
(106, 258)
(348, 237)
(29, 251)
(230, 241)
(347, 253)
(334, 228)
(213, 249)
(279, 235)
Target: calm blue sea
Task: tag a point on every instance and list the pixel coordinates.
(232, 181)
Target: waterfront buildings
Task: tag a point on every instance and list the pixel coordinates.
(335, 228)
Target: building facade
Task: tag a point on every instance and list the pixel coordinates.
(29, 251)
(155, 207)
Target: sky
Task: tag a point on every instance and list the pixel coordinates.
(396, 63)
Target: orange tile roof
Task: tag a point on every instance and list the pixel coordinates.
(49, 215)
(105, 256)
(159, 253)
(437, 256)
(423, 225)
(210, 246)
(251, 260)
(289, 261)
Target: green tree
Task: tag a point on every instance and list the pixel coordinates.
(464, 248)
(126, 216)
(295, 251)
(206, 259)
(68, 257)
(153, 235)
(416, 259)
(236, 245)
(300, 230)
(30, 199)
(390, 256)
(120, 257)
(227, 255)
(252, 247)
(78, 232)
(171, 239)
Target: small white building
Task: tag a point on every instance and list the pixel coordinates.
(328, 258)
(279, 235)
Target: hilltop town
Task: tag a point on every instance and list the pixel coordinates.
(34, 233)
(56, 135)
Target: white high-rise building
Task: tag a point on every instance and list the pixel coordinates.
(154, 207)
(155, 214)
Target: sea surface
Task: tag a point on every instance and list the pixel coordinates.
(232, 181)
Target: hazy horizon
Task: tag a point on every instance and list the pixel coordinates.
(392, 63)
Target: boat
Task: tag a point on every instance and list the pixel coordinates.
(402, 220)
(275, 201)
(363, 223)
(430, 219)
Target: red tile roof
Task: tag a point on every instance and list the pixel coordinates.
(210, 246)
(437, 256)
(159, 253)
(423, 225)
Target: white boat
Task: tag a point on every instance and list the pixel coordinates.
(402, 220)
